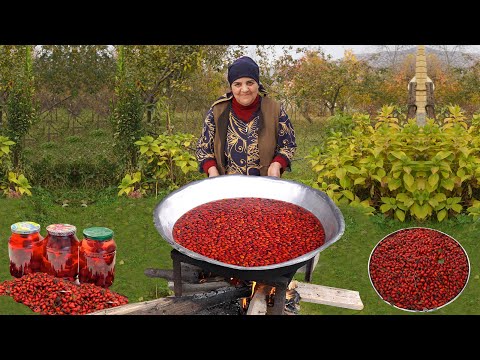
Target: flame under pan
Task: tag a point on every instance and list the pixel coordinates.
(197, 193)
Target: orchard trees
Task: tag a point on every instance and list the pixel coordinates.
(321, 83)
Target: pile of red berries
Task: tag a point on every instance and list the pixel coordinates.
(249, 231)
(49, 295)
(418, 269)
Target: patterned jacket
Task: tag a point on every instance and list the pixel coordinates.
(245, 148)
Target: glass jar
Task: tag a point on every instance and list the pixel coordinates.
(96, 257)
(61, 251)
(25, 248)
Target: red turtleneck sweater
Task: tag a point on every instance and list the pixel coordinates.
(245, 113)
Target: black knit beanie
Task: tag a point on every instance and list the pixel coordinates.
(243, 67)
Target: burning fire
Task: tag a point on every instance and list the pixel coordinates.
(244, 304)
(246, 300)
(291, 304)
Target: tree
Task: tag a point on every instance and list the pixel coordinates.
(158, 70)
(126, 116)
(17, 95)
(320, 82)
(282, 79)
(11, 58)
(66, 72)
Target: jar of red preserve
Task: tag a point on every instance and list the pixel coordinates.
(61, 251)
(97, 254)
(25, 248)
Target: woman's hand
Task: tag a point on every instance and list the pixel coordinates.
(274, 169)
(213, 171)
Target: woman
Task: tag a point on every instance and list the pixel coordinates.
(244, 131)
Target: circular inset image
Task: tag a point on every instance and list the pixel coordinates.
(418, 269)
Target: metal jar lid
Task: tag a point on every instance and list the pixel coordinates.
(98, 233)
(25, 227)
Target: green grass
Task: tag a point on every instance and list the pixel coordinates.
(307, 137)
(342, 265)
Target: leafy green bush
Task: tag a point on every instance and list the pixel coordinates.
(13, 184)
(165, 162)
(340, 122)
(403, 170)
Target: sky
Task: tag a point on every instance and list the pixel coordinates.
(337, 51)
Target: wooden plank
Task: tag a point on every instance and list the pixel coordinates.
(326, 295)
(131, 308)
(258, 303)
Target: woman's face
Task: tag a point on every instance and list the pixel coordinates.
(245, 90)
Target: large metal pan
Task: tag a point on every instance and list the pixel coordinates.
(196, 193)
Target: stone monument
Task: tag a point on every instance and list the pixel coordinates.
(420, 91)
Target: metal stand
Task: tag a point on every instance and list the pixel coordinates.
(309, 270)
(278, 280)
